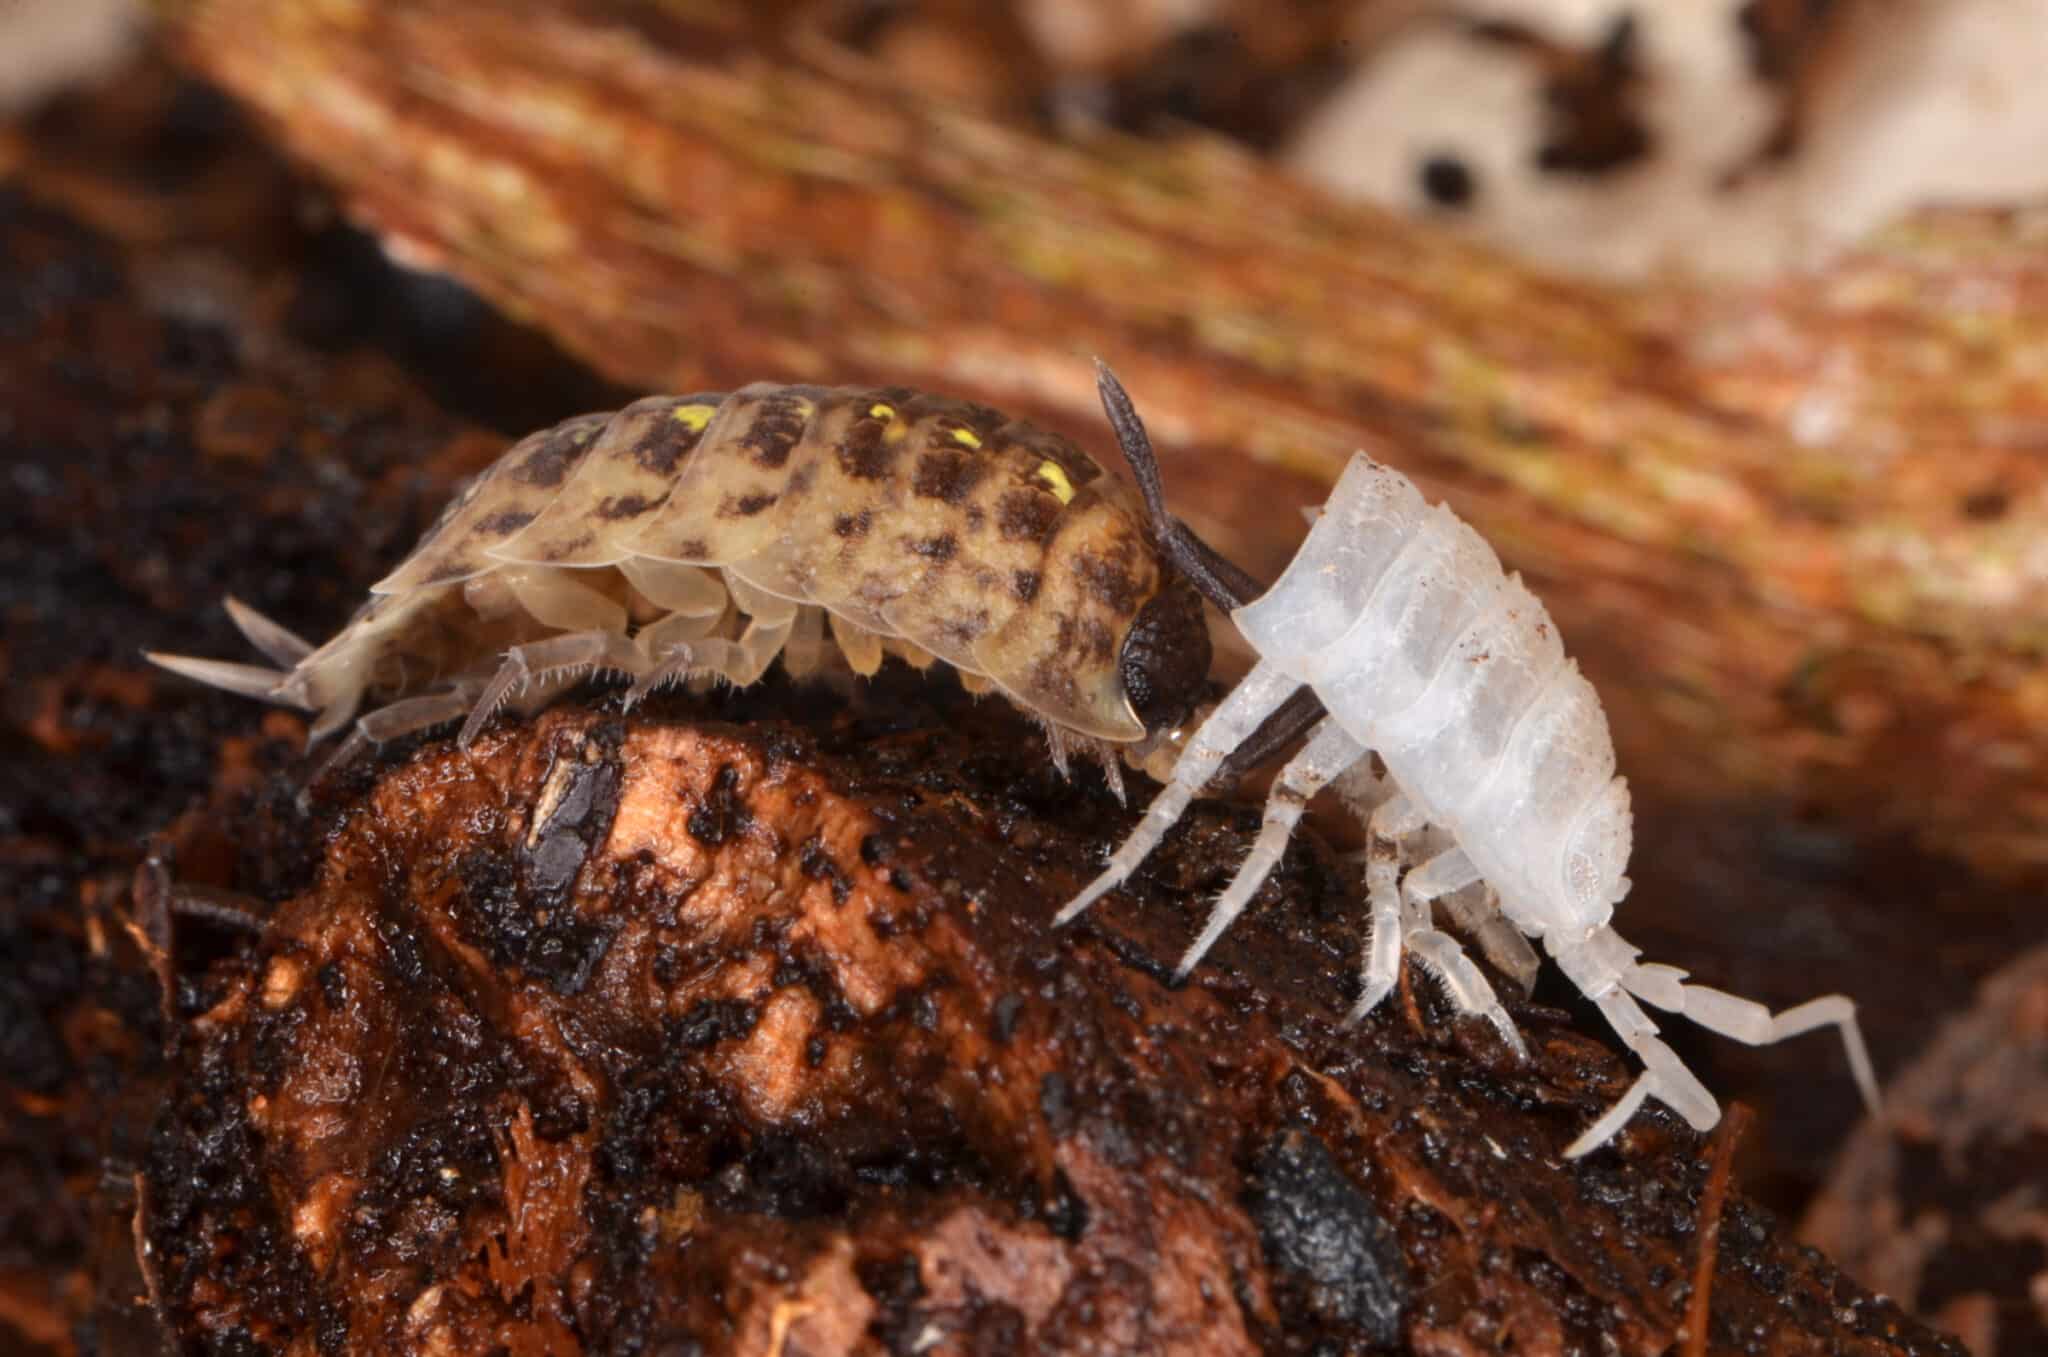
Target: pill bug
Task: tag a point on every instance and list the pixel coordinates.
(1394, 632)
(708, 535)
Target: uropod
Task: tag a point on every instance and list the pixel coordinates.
(1499, 778)
(703, 537)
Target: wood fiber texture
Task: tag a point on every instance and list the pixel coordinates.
(619, 1033)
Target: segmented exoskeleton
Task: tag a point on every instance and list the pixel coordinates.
(1499, 776)
(697, 535)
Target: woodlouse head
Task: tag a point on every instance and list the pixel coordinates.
(1596, 852)
(1165, 660)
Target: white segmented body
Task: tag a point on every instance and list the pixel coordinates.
(1426, 653)
(1500, 778)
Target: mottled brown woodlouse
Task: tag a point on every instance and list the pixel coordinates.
(704, 536)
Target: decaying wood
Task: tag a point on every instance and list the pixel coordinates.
(1943, 1202)
(1792, 530)
(750, 1034)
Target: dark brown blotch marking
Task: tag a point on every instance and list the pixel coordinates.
(1024, 584)
(775, 429)
(1026, 515)
(1109, 581)
(938, 550)
(1083, 641)
(864, 455)
(1052, 677)
(746, 506)
(559, 450)
(853, 525)
(668, 440)
(948, 475)
(615, 507)
(964, 629)
(504, 524)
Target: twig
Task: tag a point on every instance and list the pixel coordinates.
(1708, 1231)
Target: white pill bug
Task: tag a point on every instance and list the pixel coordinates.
(703, 537)
(1498, 784)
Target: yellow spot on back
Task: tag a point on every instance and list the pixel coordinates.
(1055, 478)
(695, 417)
(896, 433)
(966, 438)
(879, 410)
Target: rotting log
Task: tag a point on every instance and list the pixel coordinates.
(1940, 1203)
(1790, 530)
(169, 442)
(742, 1029)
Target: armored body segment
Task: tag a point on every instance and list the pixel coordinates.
(1369, 519)
(727, 502)
(501, 501)
(626, 476)
(1458, 730)
(1059, 655)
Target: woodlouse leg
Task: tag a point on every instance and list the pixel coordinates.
(415, 714)
(1750, 1022)
(910, 652)
(1478, 913)
(555, 599)
(688, 590)
(1260, 693)
(803, 654)
(1442, 875)
(862, 648)
(1664, 1078)
(1394, 820)
(1597, 964)
(537, 660)
(739, 663)
(1329, 752)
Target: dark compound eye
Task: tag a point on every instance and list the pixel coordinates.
(1447, 181)
(1165, 661)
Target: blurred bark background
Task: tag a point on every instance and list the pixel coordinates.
(1791, 530)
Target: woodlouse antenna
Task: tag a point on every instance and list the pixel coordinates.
(1219, 579)
(1213, 574)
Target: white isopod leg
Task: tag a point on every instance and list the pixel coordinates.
(1598, 964)
(1328, 752)
(540, 660)
(1447, 872)
(1258, 696)
(1748, 1021)
(1478, 913)
(1392, 821)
